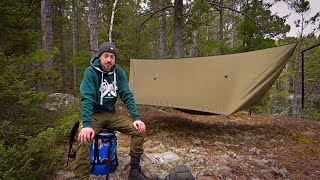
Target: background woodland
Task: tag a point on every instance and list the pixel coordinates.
(45, 46)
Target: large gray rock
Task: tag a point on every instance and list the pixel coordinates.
(58, 100)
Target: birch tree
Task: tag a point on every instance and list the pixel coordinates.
(112, 19)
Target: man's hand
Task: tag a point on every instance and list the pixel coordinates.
(139, 125)
(85, 135)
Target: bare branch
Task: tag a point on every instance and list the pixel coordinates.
(230, 8)
(215, 5)
(167, 7)
(5, 137)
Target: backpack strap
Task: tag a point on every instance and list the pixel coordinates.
(71, 138)
(114, 139)
(96, 160)
(109, 160)
(96, 149)
(95, 153)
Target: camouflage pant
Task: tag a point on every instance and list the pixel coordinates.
(81, 165)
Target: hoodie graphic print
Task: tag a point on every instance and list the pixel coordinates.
(99, 91)
(108, 89)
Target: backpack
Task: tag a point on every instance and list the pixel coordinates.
(103, 154)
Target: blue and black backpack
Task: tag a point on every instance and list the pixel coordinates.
(103, 153)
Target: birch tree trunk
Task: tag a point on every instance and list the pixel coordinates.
(74, 40)
(178, 31)
(47, 38)
(92, 21)
(112, 18)
(162, 24)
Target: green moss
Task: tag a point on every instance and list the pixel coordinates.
(170, 110)
(316, 116)
(312, 152)
(294, 136)
(305, 141)
(298, 152)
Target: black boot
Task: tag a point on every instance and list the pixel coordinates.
(137, 174)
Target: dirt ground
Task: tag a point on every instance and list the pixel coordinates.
(219, 147)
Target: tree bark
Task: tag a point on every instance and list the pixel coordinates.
(221, 29)
(92, 21)
(232, 33)
(286, 86)
(74, 40)
(194, 46)
(47, 38)
(178, 29)
(195, 33)
(112, 18)
(162, 24)
(62, 65)
(296, 88)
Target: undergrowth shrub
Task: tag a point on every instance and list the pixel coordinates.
(29, 134)
(39, 156)
(316, 116)
(32, 160)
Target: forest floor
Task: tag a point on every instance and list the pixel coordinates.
(219, 147)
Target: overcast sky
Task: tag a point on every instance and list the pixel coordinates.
(282, 9)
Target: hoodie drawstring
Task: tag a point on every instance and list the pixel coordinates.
(101, 97)
(115, 82)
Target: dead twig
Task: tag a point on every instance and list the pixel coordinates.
(5, 137)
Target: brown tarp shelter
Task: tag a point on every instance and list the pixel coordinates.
(215, 84)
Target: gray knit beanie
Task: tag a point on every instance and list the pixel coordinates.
(107, 47)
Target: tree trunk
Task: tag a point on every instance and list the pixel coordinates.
(162, 24)
(62, 64)
(195, 33)
(112, 18)
(296, 99)
(232, 33)
(74, 40)
(47, 38)
(194, 46)
(287, 87)
(92, 21)
(178, 31)
(221, 29)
